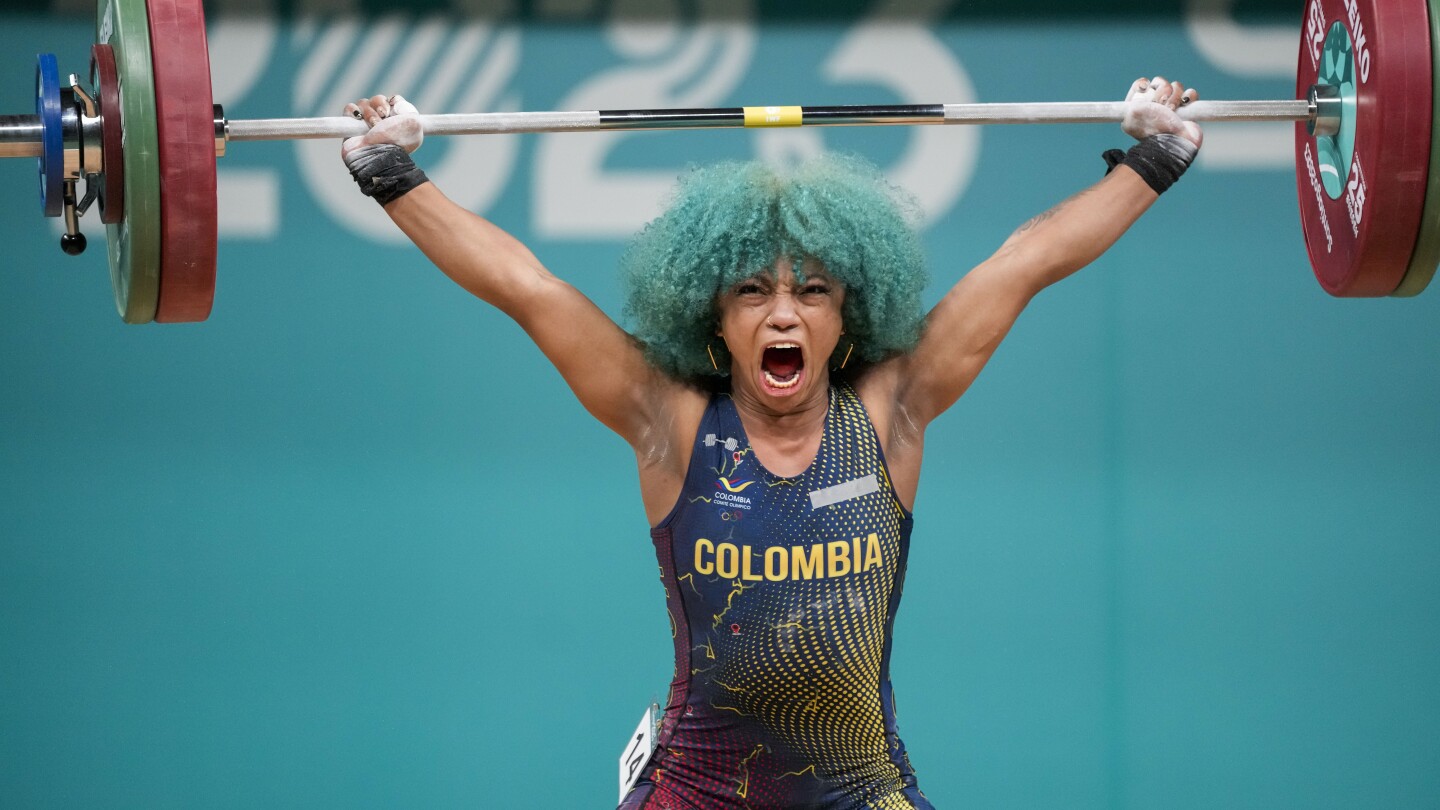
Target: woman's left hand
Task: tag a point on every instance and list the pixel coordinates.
(392, 120)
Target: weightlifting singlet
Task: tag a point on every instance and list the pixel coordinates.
(782, 595)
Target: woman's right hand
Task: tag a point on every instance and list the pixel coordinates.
(1151, 109)
(392, 120)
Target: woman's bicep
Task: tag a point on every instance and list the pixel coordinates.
(605, 367)
(959, 337)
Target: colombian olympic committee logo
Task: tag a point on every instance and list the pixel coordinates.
(729, 499)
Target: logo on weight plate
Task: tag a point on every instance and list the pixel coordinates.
(1355, 195)
(1319, 198)
(1357, 34)
(1315, 32)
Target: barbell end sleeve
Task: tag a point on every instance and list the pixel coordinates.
(222, 131)
(1326, 108)
(20, 136)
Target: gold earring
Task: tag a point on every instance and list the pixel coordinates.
(712, 356)
(847, 354)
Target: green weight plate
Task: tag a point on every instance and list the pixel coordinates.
(1427, 247)
(134, 242)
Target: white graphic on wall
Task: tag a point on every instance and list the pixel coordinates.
(670, 63)
(242, 36)
(893, 47)
(438, 62)
(1253, 52)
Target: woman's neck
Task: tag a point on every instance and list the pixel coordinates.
(784, 441)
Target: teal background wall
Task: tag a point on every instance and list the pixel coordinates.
(350, 543)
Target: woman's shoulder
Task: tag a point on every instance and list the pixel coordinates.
(686, 401)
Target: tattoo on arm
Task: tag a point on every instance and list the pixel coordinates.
(1031, 223)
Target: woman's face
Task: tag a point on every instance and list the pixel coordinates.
(781, 332)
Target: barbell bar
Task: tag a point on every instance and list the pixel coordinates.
(21, 135)
(267, 129)
(1366, 159)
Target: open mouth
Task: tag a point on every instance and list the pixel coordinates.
(781, 365)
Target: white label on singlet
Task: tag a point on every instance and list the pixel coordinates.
(638, 749)
(843, 492)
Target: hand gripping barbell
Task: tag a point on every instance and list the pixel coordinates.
(1367, 157)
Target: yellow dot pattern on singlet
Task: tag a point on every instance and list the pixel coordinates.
(813, 677)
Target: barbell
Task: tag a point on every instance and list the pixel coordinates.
(144, 134)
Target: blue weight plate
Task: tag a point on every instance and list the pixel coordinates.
(52, 160)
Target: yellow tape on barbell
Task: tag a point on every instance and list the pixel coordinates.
(773, 116)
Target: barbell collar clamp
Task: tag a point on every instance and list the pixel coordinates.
(69, 135)
(90, 157)
(72, 242)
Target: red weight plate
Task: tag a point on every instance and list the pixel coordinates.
(104, 76)
(1360, 241)
(185, 113)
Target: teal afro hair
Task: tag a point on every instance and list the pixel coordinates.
(730, 221)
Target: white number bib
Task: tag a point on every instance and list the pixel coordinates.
(638, 749)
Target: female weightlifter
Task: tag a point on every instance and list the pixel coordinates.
(776, 392)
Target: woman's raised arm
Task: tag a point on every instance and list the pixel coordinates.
(602, 364)
(963, 330)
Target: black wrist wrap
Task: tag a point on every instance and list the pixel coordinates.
(384, 171)
(1159, 159)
